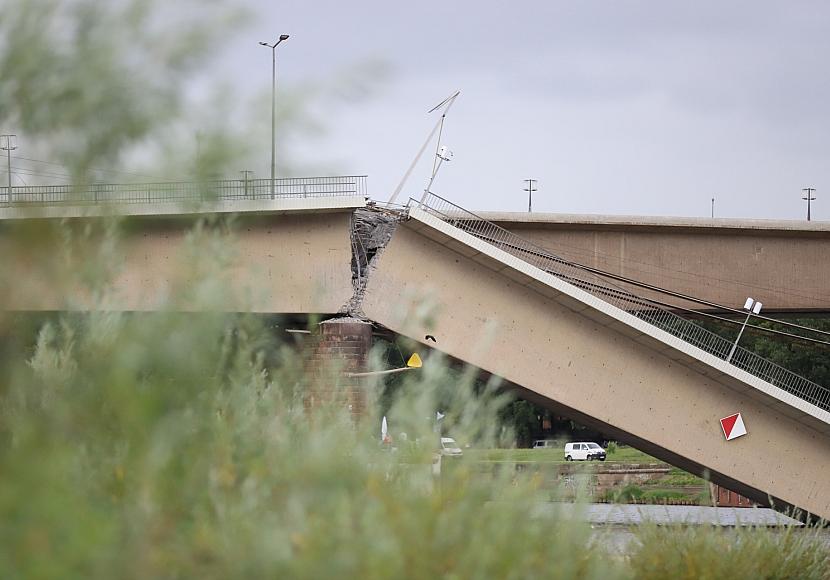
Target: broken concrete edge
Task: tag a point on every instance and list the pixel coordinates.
(372, 228)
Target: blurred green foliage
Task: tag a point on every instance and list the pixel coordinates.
(696, 552)
(89, 79)
(178, 444)
(158, 445)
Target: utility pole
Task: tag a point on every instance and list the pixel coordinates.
(713, 208)
(8, 146)
(808, 197)
(198, 171)
(530, 189)
(246, 176)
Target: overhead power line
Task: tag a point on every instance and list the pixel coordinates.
(121, 171)
(31, 172)
(689, 298)
(753, 326)
(580, 252)
(603, 274)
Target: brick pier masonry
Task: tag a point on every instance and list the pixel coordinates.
(340, 347)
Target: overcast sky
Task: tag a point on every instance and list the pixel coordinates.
(616, 107)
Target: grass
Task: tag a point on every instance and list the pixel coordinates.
(678, 477)
(656, 491)
(694, 552)
(634, 493)
(620, 455)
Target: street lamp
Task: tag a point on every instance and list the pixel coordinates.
(273, 48)
(442, 154)
(752, 307)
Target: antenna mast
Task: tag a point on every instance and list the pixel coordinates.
(436, 164)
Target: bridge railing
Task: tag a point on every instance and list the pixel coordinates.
(182, 191)
(642, 308)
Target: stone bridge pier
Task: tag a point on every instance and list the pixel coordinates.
(340, 347)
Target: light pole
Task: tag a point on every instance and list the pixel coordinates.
(443, 154)
(808, 198)
(752, 307)
(273, 48)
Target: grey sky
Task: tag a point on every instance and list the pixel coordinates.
(623, 107)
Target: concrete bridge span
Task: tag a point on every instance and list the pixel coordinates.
(287, 256)
(782, 263)
(551, 338)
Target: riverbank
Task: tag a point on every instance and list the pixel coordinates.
(628, 476)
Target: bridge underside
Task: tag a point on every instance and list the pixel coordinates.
(567, 357)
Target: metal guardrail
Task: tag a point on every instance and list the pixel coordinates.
(224, 190)
(641, 308)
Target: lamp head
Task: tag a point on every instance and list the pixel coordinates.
(445, 153)
(283, 37)
(265, 44)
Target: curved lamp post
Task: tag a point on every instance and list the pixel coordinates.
(273, 48)
(752, 307)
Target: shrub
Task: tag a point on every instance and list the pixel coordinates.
(703, 552)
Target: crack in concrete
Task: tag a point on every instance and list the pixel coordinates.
(372, 229)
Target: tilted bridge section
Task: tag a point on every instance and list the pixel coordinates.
(641, 308)
(573, 342)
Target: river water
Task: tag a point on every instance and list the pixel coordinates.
(614, 524)
(628, 514)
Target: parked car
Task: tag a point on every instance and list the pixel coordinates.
(450, 448)
(584, 451)
(544, 444)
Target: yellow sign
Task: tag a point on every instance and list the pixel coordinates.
(414, 361)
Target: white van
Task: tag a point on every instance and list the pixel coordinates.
(544, 444)
(583, 451)
(450, 448)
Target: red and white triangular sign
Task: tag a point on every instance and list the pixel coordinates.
(733, 426)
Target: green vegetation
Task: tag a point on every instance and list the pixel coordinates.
(622, 454)
(660, 495)
(809, 360)
(699, 552)
(677, 477)
(652, 494)
(184, 444)
(630, 455)
(624, 494)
